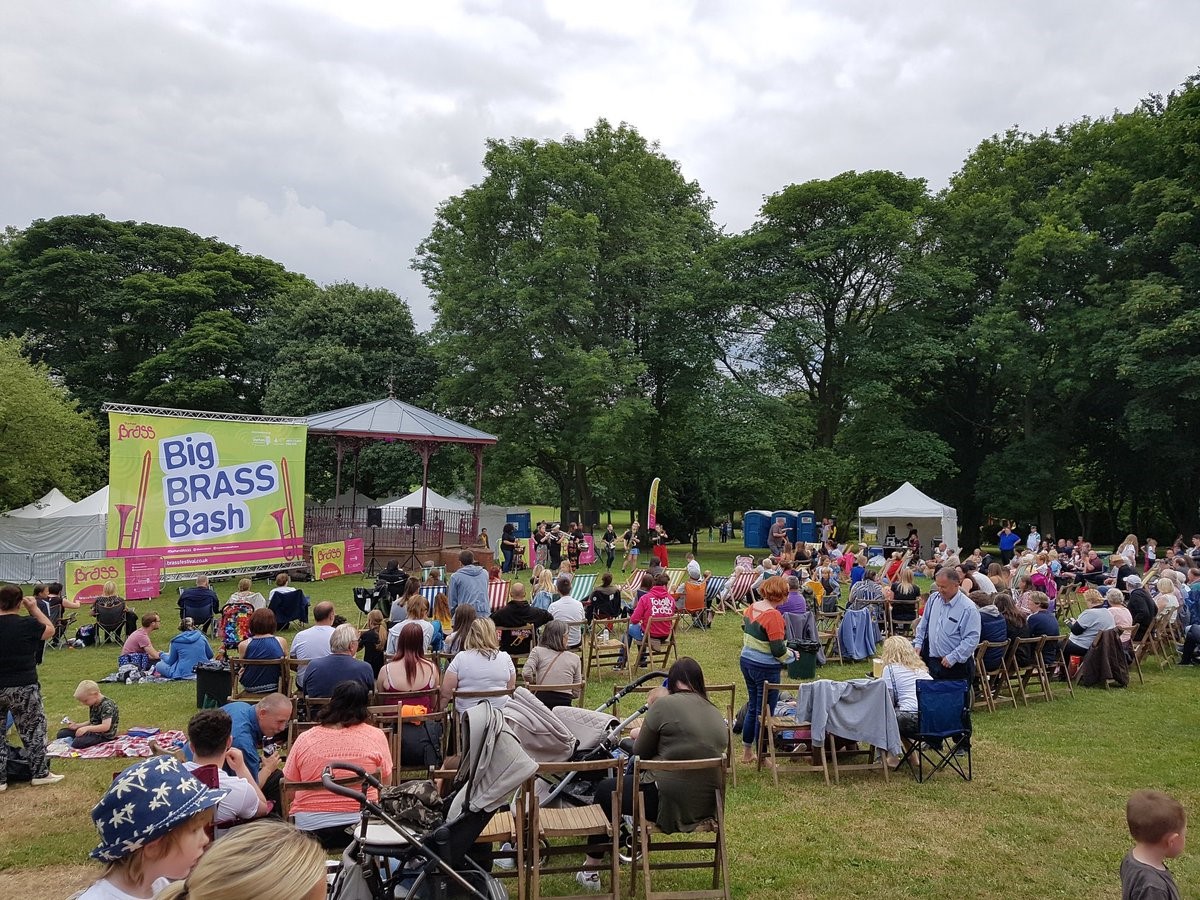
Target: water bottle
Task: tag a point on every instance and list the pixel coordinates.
(604, 636)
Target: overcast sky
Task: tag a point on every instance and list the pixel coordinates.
(323, 133)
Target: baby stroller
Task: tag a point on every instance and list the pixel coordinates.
(568, 733)
(425, 856)
(235, 623)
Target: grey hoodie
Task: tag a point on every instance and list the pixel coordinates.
(469, 587)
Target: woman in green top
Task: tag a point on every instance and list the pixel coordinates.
(681, 725)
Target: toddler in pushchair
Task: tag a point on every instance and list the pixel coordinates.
(415, 844)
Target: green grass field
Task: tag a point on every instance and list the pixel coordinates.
(1044, 816)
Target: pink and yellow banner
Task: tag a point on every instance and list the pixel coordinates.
(202, 494)
(135, 579)
(337, 558)
(652, 509)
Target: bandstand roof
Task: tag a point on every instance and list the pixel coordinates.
(393, 419)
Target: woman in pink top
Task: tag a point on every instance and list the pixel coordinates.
(343, 733)
(656, 603)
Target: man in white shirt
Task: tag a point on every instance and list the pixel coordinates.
(1034, 541)
(210, 736)
(313, 643)
(567, 609)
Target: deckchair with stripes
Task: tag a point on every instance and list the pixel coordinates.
(582, 587)
(497, 594)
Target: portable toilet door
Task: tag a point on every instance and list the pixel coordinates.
(523, 521)
(789, 522)
(806, 526)
(756, 527)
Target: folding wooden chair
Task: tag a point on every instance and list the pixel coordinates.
(559, 824)
(511, 826)
(289, 789)
(1130, 648)
(293, 671)
(238, 666)
(1137, 651)
(308, 707)
(827, 632)
(772, 727)
(412, 772)
(656, 651)
(1034, 667)
(601, 655)
(1055, 647)
(724, 698)
(993, 681)
(650, 848)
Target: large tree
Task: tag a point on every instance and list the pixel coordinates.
(45, 441)
(109, 306)
(339, 346)
(826, 285)
(571, 318)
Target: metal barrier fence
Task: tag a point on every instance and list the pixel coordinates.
(441, 526)
(29, 568)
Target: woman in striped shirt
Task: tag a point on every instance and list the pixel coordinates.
(764, 654)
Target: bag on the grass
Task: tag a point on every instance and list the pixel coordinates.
(18, 768)
(86, 635)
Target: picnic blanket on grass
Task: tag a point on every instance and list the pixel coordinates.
(121, 745)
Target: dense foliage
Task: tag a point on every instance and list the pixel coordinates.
(1020, 344)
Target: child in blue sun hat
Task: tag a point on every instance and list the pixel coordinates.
(152, 822)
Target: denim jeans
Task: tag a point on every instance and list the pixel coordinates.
(756, 675)
(508, 559)
(633, 637)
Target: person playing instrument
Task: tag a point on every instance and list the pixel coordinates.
(608, 542)
(631, 540)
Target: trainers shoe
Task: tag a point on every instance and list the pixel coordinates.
(503, 862)
(589, 881)
(3, 787)
(50, 778)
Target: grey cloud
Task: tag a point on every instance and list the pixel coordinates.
(327, 143)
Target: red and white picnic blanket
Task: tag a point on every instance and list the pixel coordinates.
(121, 745)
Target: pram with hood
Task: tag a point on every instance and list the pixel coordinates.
(569, 733)
(392, 857)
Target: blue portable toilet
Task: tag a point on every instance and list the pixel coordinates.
(523, 521)
(789, 517)
(806, 526)
(756, 528)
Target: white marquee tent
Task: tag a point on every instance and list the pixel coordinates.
(433, 500)
(934, 521)
(34, 543)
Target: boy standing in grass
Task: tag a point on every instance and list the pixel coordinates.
(102, 718)
(1158, 826)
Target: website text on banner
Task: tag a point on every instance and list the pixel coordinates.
(136, 579)
(204, 495)
(337, 558)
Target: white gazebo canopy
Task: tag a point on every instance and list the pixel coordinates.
(433, 500)
(53, 501)
(934, 521)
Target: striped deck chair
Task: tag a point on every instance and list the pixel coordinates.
(739, 588)
(582, 587)
(430, 592)
(714, 589)
(497, 594)
(678, 577)
(630, 587)
(441, 570)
